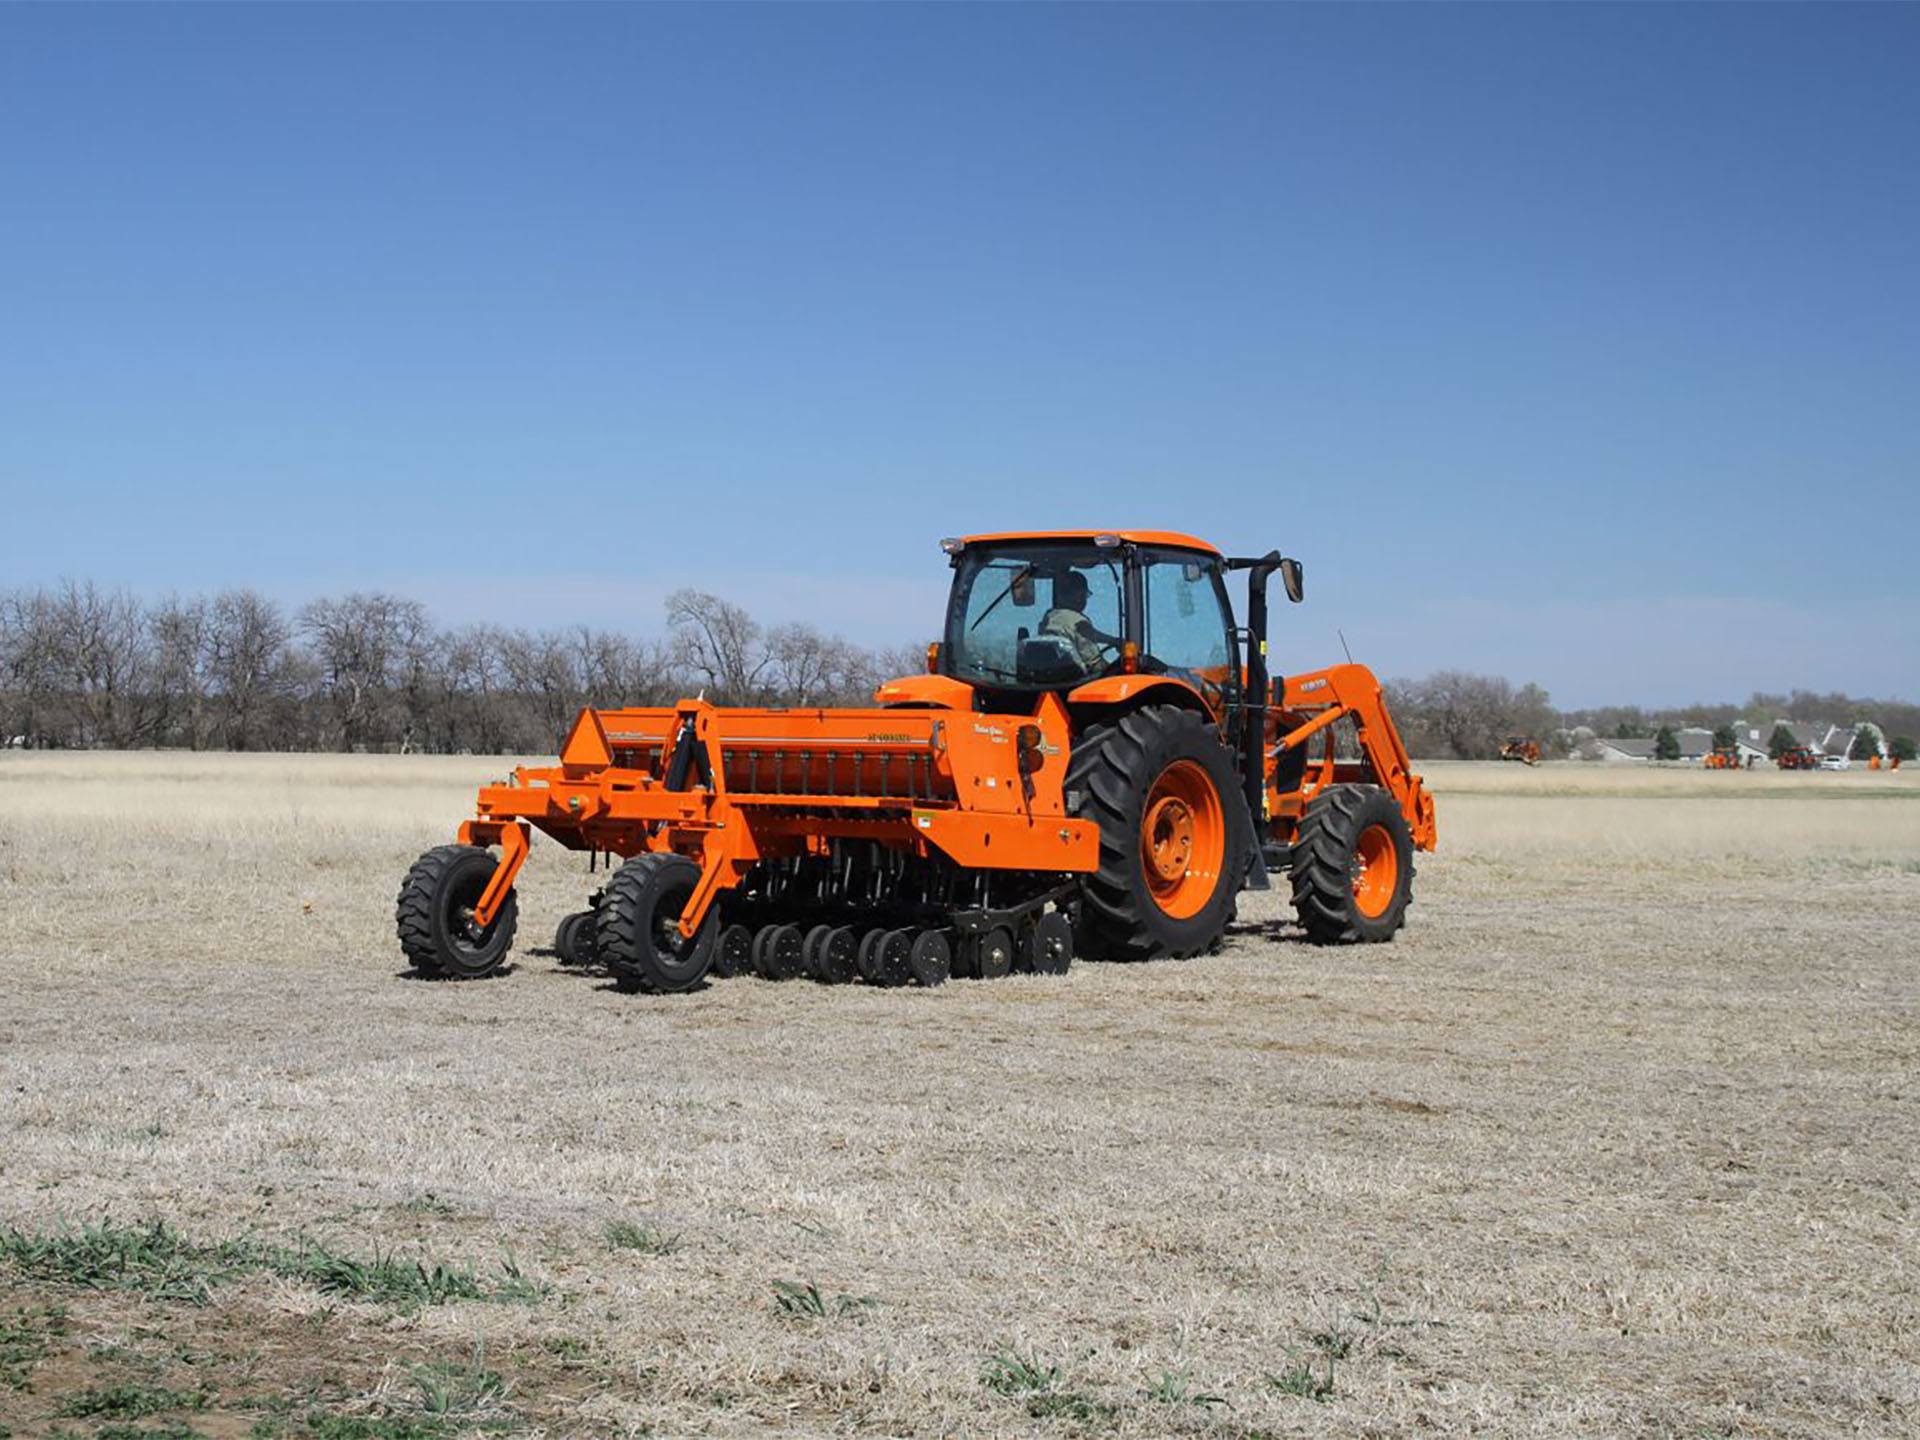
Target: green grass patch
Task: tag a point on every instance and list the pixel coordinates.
(1301, 1381)
(807, 1301)
(129, 1402)
(1175, 1387)
(375, 1427)
(155, 1259)
(1038, 1387)
(641, 1237)
(164, 1430)
(24, 1337)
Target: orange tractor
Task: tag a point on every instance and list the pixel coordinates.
(1798, 757)
(1520, 748)
(1095, 762)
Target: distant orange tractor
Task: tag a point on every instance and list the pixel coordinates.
(1095, 762)
(1522, 749)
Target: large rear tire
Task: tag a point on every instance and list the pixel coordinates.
(1352, 866)
(434, 915)
(1173, 851)
(638, 934)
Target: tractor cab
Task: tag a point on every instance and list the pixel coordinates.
(1033, 614)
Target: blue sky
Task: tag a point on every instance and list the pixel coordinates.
(1577, 344)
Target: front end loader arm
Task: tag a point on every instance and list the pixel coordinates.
(1313, 701)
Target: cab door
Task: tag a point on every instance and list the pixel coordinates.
(1186, 627)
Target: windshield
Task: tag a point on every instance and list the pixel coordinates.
(1037, 615)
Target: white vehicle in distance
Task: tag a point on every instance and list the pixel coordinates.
(1835, 762)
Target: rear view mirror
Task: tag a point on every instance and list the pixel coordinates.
(1294, 579)
(1023, 588)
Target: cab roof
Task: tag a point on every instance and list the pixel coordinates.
(1171, 538)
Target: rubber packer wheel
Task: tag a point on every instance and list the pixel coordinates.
(993, 954)
(1048, 947)
(892, 958)
(1352, 866)
(573, 941)
(930, 959)
(434, 915)
(1173, 846)
(776, 952)
(863, 958)
(638, 936)
(835, 959)
(735, 955)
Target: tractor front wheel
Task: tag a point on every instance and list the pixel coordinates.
(638, 934)
(1352, 866)
(434, 915)
(1161, 787)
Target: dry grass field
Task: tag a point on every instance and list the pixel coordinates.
(1619, 1138)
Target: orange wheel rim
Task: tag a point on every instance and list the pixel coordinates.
(1376, 871)
(1183, 839)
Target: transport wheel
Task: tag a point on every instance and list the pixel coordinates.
(930, 959)
(434, 914)
(810, 959)
(638, 931)
(735, 955)
(863, 958)
(1162, 789)
(836, 961)
(993, 954)
(1352, 866)
(573, 941)
(892, 958)
(777, 952)
(1049, 946)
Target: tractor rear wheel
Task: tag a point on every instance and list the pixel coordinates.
(1161, 787)
(1352, 866)
(434, 914)
(638, 935)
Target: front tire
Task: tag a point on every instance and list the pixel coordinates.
(638, 932)
(1352, 866)
(1161, 787)
(434, 915)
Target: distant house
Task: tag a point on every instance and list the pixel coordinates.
(1614, 751)
(1839, 740)
(1695, 741)
(1751, 740)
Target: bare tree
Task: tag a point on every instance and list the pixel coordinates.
(102, 661)
(181, 632)
(360, 645)
(248, 660)
(720, 645)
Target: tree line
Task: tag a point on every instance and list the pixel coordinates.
(83, 666)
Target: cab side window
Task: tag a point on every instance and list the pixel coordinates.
(1184, 626)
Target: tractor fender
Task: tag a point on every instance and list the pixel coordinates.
(1128, 692)
(924, 692)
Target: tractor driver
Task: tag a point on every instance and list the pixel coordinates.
(1068, 621)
